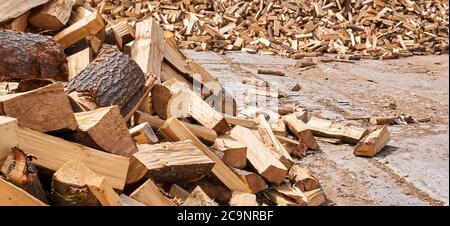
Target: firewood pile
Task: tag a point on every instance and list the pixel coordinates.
(372, 28)
(101, 112)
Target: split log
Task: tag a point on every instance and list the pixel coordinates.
(373, 143)
(11, 195)
(103, 191)
(268, 71)
(236, 121)
(295, 148)
(347, 133)
(69, 185)
(10, 9)
(214, 189)
(179, 192)
(301, 131)
(52, 153)
(234, 153)
(148, 47)
(198, 196)
(19, 170)
(254, 181)
(79, 61)
(207, 136)
(127, 201)
(303, 178)
(174, 162)
(112, 78)
(8, 133)
(268, 137)
(174, 99)
(28, 56)
(174, 130)
(279, 198)
(143, 134)
(90, 25)
(243, 199)
(150, 195)
(21, 22)
(53, 15)
(123, 33)
(104, 129)
(279, 128)
(45, 109)
(260, 156)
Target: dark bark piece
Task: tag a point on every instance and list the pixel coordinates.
(113, 78)
(28, 56)
(19, 170)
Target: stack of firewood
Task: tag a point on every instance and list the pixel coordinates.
(113, 113)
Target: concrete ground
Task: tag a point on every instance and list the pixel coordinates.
(412, 170)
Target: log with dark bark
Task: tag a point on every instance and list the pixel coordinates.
(31, 56)
(19, 170)
(113, 78)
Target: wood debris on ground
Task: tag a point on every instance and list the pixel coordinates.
(102, 83)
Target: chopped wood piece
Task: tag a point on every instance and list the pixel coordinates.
(390, 120)
(10, 9)
(234, 153)
(208, 136)
(235, 121)
(254, 181)
(347, 133)
(199, 197)
(52, 153)
(261, 158)
(143, 134)
(150, 195)
(127, 201)
(8, 133)
(19, 170)
(87, 26)
(174, 162)
(11, 195)
(53, 15)
(179, 192)
(53, 113)
(148, 47)
(78, 62)
(296, 88)
(21, 22)
(28, 56)
(123, 33)
(315, 197)
(279, 198)
(173, 130)
(294, 147)
(98, 84)
(103, 191)
(373, 143)
(243, 199)
(70, 185)
(268, 137)
(301, 131)
(303, 178)
(104, 129)
(266, 71)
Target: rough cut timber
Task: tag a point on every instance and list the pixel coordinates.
(254, 181)
(104, 129)
(88, 26)
(113, 78)
(150, 195)
(148, 47)
(176, 162)
(45, 109)
(260, 156)
(173, 130)
(52, 153)
(143, 134)
(11, 195)
(70, 185)
(199, 197)
(28, 56)
(243, 199)
(236, 121)
(19, 170)
(79, 61)
(53, 15)
(8, 133)
(234, 153)
(347, 133)
(269, 138)
(103, 191)
(123, 33)
(373, 143)
(207, 136)
(301, 131)
(10, 9)
(303, 178)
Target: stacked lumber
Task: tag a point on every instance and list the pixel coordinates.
(382, 29)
